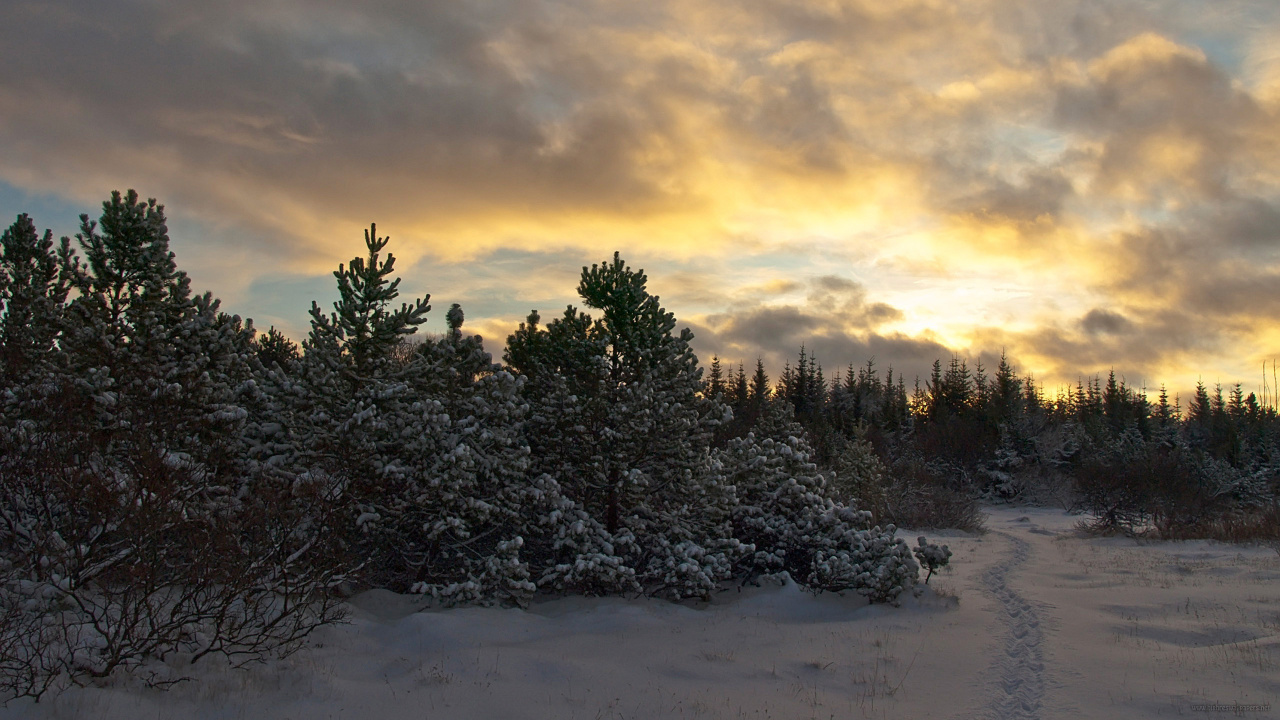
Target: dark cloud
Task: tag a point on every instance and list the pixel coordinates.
(776, 335)
(1040, 195)
(1215, 262)
(1248, 225)
(1103, 322)
(770, 326)
(1145, 347)
(400, 107)
(837, 284)
(837, 325)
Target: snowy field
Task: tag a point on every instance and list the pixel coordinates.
(1031, 621)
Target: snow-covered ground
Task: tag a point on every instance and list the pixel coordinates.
(1031, 621)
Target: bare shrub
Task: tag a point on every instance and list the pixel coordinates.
(116, 552)
(1242, 526)
(920, 496)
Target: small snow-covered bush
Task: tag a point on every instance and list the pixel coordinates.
(931, 556)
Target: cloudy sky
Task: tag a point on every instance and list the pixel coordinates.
(1087, 184)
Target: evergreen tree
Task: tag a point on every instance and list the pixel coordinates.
(759, 389)
(1199, 425)
(1164, 411)
(981, 391)
(1114, 404)
(626, 392)
(34, 282)
(364, 321)
(715, 379)
(1007, 394)
(276, 350)
(936, 405)
(957, 388)
(787, 516)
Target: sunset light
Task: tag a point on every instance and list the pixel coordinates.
(1086, 186)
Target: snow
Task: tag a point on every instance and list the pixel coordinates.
(1031, 620)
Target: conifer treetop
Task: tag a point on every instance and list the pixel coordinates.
(33, 288)
(629, 309)
(363, 317)
(128, 257)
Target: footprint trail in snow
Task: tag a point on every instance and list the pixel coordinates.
(1017, 690)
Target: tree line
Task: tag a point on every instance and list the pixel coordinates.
(963, 435)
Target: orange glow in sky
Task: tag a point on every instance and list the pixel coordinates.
(1087, 185)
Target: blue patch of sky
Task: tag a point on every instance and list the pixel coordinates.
(284, 301)
(1227, 52)
(1027, 142)
(496, 284)
(1222, 29)
(49, 211)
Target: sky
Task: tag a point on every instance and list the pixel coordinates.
(1086, 185)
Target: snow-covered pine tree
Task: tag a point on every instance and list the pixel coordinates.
(474, 506)
(580, 555)
(787, 514)
(33, 293)
(420, 450)
(619, 419)
(338, 417)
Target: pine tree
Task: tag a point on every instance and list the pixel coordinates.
(715, 379)
(34, 282)
(364, 321)
(787, 516)
(625, 392)
(276, 350)
(421, 449)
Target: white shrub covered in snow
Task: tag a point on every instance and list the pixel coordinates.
(786, 513)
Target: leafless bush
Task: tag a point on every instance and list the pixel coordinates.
(918, 496)
(117, 552)
(1246, 526)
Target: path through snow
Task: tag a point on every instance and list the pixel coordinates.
(1018, 690)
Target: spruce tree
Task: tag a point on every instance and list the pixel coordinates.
(1007, 395)
(716, 384)
(759, 389)
(741, 391)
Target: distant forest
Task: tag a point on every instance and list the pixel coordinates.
(172, 480)
(1210, 469)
